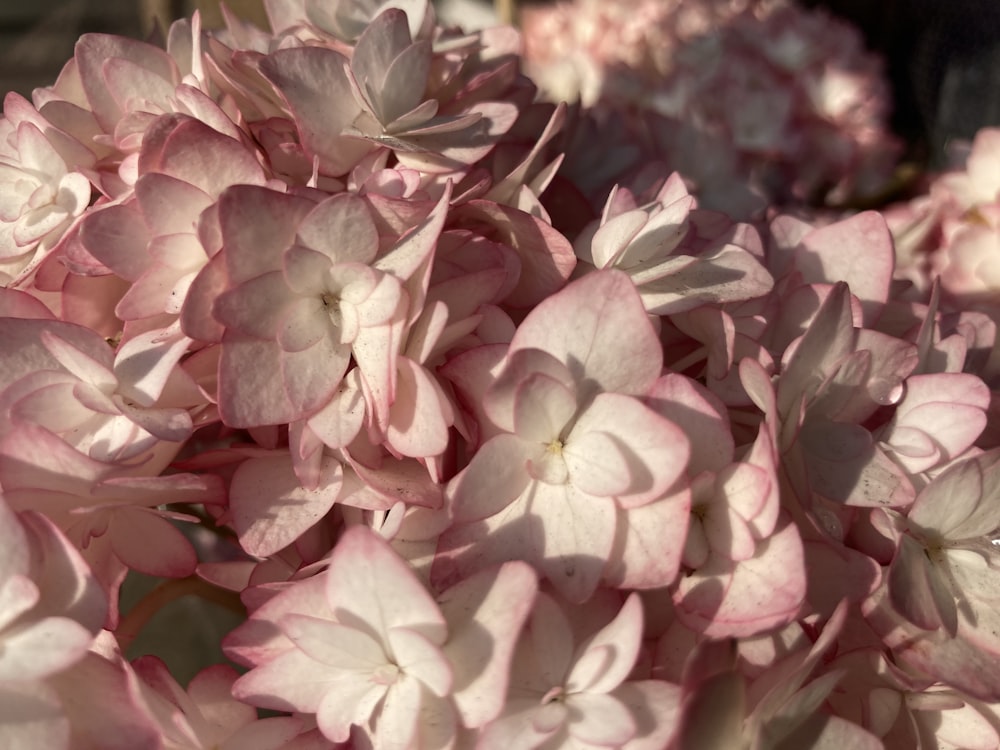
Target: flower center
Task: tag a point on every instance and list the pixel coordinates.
(387, 674)
(555, 694)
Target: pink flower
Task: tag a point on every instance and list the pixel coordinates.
(365, 645)
(569, 443)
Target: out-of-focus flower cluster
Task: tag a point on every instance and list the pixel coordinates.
(484, 468)
(952, 231)
(757, 104)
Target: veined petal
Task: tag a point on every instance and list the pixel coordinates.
(542, 408)
(256, 307)
(598, 327)
(44, 647)
(596, 464)
(496, 476)
(334, 645)
(341, 228)
(84, 367)
(368, 585)
(485, 613)
(654, 450)
(579, 532)
(305, 322)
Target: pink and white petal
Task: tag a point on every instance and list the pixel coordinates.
(949, 500)
(829, 337)
(726, 599)
(516, 728)
(655, 706)
(80, 363)
(415, 249)
(648, 542)
(961, 502)
(745, 488)
(656, 451)
(579, 533)
(32, 457)
(622, 638)
(306, 270)
(257, 307)
(34, 650)
(438, 726)
(294, 681)
(597, 464)
(211, 691)
(700, 415)
(348, 701)
(257, 226)
(419, 417)
(15, 558)
(305, 321)
(17, 304)
(599, 719)
(968, 663)
(857, 250)
(949, 428)
(494, 478)
(505, 376)
(314, 83)
(199, 154)
(598, 327)
(101, 699)
(269, 507)
(53, 406)
(542, 408)
(544, 656)
(485, 613)
(310, 377)
(169, 205)
(258, 639)
(396, 722)
(339, 422)
(341, 228)
(334, 645)
(727, 533)
(148, 543)
(682, 283)
(376, 351)
(31, 716)
(917, 589)
(612, 238)
(117, 236)
(368, 583)
(419, 658)
(250, 389)
(171, 425)
(275, 733)
(380, 304)
(145, 363)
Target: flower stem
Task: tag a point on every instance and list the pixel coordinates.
(168, 591)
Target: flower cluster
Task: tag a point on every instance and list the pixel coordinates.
(756, 103)
(312, 316)
(952, 231)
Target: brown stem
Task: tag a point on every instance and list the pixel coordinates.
(164, 593)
